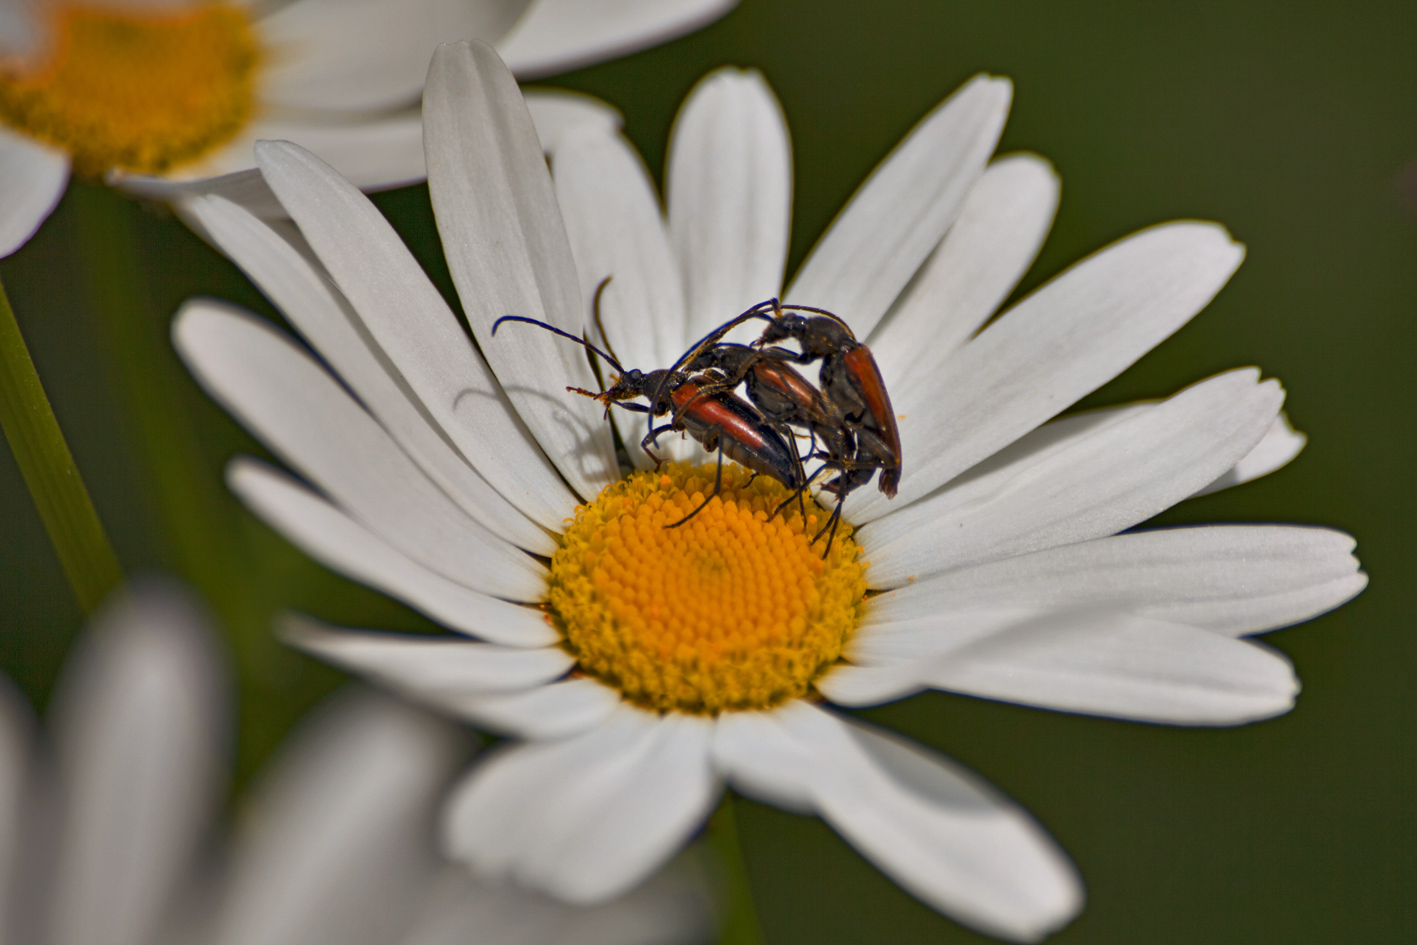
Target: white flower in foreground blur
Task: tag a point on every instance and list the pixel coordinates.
(183, 88)
(337, 847)
(643, 667)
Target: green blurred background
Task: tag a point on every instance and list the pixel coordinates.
(1294, 124)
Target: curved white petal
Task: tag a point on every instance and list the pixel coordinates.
(1097, 662)
(986, 251)
(366, 54)
(728, 185)
(1230, 579)
(561, 35)
(557, 710)
(899, 214)
(302, 414)
(509, 254)
(616, 231)
(304, 294)
(140, 723)
(335, 847)
(434, 669)
(1063, 341)
(338, 541)
(16, 757)
(1033, 496)
(32, 179)
(247, 189)
(587, 818)
(931, 826)
(557, 111)
(1278, 449)
(411, 324)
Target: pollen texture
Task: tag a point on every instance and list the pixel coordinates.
(735, 609)
(143, 91)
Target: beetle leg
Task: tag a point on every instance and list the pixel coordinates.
(717, 484)
(651, 439)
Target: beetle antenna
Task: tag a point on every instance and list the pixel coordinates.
(595, 310)
(564, 334)
(757, 311)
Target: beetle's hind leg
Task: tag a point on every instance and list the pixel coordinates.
(717, 485)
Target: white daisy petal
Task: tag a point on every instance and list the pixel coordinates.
(303, 293)
(1063, 341)
(559, 710)
(590, 817)
(247, 189)
(1278, 449)
(616, 232)
(366, 54)
(899, 214)
(1230, 579)
(16, 750)
(434, 669)
(557, 111)
(1097, 483)
(333, 848)
(140, 727)
(373, 152)
(560, 35)
(934, 828)
(509, 254)
(728, 184)
(414, 328)
(1000, 229)
(339, 542)
(32, 179)
(305, 416)
(1096, 662)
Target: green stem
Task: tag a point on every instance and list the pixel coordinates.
(199, 526)
(48, 467)
(740, 924)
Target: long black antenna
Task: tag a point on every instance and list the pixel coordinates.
(556, 331)
(595, 310)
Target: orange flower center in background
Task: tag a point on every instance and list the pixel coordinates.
(142, 91)
(733, 610)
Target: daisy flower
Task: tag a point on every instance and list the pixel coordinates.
(108, 844)
(639, 668)
(152, 92)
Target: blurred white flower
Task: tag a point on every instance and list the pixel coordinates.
(644, 666)
(182, 88)
(111, 843)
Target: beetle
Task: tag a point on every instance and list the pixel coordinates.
(718, 419)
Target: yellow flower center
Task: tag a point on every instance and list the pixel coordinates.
(735, 609)
(141, 91)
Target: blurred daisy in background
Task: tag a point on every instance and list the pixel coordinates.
(106, 826)
(179, 89)
(640, 667)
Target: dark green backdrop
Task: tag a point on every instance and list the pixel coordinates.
(1291, 123)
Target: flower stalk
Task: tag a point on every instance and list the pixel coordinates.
(49, 471)
(740, 920)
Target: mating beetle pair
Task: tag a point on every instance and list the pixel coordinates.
(848, 419)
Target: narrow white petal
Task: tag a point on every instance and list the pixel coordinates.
(998, 233)
(247, 189)
(728, 181)
(303, 415)
(558, 710)
(613, 220)
(357, 55)
(412, 325)
(433, 669)
(334, 846)
(373, 152)
(32, 179)
(329, 536)
(140, 730)
(557, 111)
(16, 757)
(1278, 449)
(899, 214)
(1230, 579)
(509, 254)
(587, 818)
(931, 826)
(305, 295)
(561, 35)
(1036, 495)
(1065, 340)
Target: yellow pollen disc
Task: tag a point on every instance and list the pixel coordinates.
(141, 91)
(728, 611)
